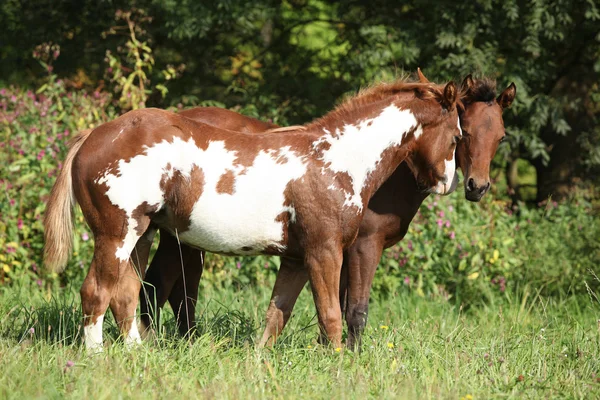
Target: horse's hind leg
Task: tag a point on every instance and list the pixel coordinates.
(124, 302)
(98, 288)
(124, 299)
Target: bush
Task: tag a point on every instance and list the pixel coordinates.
(36, 127)
(468, 250)
(455, 249)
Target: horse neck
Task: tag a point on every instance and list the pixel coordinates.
(366, 147)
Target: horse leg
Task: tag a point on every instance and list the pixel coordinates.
(139, 257)
(124, 299)
(324, 268)
(363, 257)
(291, 278)
(124, 302)
(164, 271)
(184, 294)
(141, 251)
(98, 288)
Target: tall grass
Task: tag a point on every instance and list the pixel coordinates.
(517, 346)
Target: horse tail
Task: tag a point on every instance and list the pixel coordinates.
(58, 219)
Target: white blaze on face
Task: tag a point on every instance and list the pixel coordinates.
(357, 149)
(219, 222)
(450, 175)
(92, 336)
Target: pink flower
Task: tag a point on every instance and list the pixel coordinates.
(410, 245)
(20, 223)
(441, 214)
(31, 331)
(39, 282)
(69, 364)
(85, 237)
(238, 265)
(447, 224)
(440, 223)
(41, 154)
(452, 235)
(407, 280)
(450, 208)
(266, 265)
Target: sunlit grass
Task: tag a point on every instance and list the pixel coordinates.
(516, 347)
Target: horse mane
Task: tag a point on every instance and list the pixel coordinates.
(484, 90)
(377, 92)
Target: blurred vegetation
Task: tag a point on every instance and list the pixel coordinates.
(71, 65)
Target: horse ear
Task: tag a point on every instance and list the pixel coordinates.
(450, 95)
(468, 83)
(506, 98)
(422, 77)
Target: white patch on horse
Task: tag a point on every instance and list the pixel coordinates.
(133, 336)
(92, 335)
(451, 177)
(357, 149)
(244, 222)
(219, 222)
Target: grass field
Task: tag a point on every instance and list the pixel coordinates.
(525, 347)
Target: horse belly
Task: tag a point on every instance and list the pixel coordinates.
(229, 225)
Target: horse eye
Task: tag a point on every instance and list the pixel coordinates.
(457, 139)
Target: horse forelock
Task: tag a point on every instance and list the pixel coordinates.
(483, 90)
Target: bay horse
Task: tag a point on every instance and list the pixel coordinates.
(299, 194)
(385, 223)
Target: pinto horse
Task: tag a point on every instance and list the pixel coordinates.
(299, 194)
(385, 223)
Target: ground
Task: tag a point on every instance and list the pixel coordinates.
(516, 347)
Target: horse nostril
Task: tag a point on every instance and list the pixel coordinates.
(470, 185)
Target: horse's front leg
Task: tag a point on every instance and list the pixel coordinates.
(291, 278)
(324, 264)
(362, 259)
(184, 294)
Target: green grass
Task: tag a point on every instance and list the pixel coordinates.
(525, 347)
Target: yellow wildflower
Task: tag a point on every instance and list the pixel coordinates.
(384, 327)
(338, 349)
(6, 268)
(390, 345)
(473, 276)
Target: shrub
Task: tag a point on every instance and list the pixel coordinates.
(36, 127)
(454, 249)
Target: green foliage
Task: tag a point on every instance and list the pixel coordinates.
(475, 251)
(129, 73)
(35, 128)
(455, 249)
